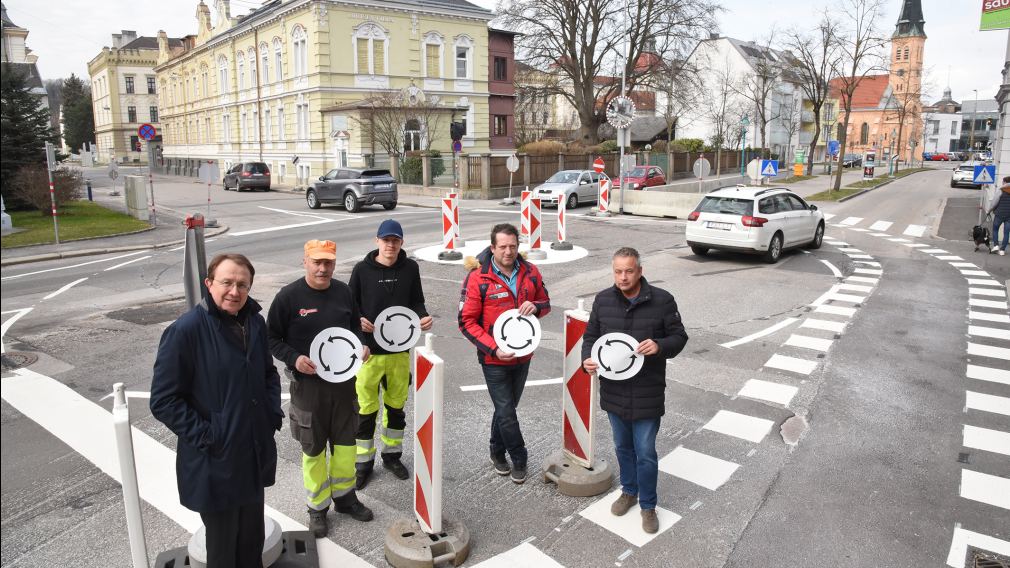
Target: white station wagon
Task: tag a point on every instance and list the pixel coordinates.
(761, 220)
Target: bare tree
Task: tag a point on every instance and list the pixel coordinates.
(583, 38)
(905, 107)
(722, 105)
(535, 92)
(758, 86)
(678, 90)
(385, 116)
(860, 45)
(817, 57)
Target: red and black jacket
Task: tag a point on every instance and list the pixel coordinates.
(485, 296)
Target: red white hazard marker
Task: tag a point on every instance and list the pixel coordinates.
(448, 225)
(579, 394)
(599, 165)
(562, 208)
(455, 217)
(604, 204)
(536, 225)
(524, 214)
(428, 432)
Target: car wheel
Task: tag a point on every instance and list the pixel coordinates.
(224, 183)
(774, 249)
(389, 206)
(572, 202)
(312, 199)
(699, 250)
(818, 237)
(952, 184)
(351, 203)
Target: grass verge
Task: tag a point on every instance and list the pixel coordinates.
(794, 179)
(834, 195)
(77, 220)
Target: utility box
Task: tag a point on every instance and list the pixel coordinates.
(136, 198)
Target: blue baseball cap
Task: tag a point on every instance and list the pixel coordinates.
(389, 228)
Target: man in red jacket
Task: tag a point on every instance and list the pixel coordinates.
(501, 280)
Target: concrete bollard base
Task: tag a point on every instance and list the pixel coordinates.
(575, 480)
(536, 254)
(562, 245)
(450, 255)
(407, 546)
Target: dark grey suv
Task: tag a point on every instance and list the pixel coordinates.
(353, 188)
(247, 175)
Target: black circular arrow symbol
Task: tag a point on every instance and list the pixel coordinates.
(608, 343)
(390, 342)
(331, 339)
(505, 339)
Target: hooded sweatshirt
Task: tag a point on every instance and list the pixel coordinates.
(376, 287)
(1001, 204)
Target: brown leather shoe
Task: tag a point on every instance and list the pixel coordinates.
(650, 522)
(624, 503)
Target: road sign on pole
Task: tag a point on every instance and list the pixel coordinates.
(512, 165)
(832, 147)
(599, 165)
(984, 175)
(147, 132)
(769, 168)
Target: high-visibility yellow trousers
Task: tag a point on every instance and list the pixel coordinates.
(328, 481)
(389, 374)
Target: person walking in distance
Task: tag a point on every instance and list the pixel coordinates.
(500, 280)
(383, 279)
(215, 386)
(635, 405)
(324, 415)
(1000, 211)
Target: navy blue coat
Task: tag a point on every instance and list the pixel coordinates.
(224, 403)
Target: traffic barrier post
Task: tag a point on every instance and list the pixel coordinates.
(128, 471)
(524, 214)
(459, 242)
(536, 252)
(194, 260)
(562, 241)
(449, 251)
(603, 206)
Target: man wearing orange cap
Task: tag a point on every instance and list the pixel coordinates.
(323, 414)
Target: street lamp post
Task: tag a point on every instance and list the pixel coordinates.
(971, 131)
(744, 123)
(890, 153)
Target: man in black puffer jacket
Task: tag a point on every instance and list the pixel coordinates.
(636, 405)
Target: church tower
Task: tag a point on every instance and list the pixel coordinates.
(907, 44)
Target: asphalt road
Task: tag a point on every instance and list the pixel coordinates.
(853, 420)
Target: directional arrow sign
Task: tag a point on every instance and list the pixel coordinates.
(616, 357)
(397, 329)
(516, 333)
(984, 174)
(337, 353)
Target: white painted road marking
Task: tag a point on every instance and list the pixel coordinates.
(850, 249)
(122, 264)
(962, 539)
(934, 251)
(984, 282)
(986, 439)
(282, 227)
(986, 292)
(828, 216)
(629, 525)
(915, 230)
(826, 325)
(993, 332)
(742, 426)
(981, 373)
(855, 288)
(948, 257)
(523, 556)
(851, 298)
(867, 279)
(963, 265)
(989, 351)
(73, 265)
(537, 382)
(915, 245)
(849, 221)
(815, 343)
(987, 304)
(834, 270)
(899, 240)
(987, 403)
(976, 273)
(836, 310)
(986, 316)
(985, 488)
(766, 390)
(881, 226)
(801, 366)
(698, 468)
(18, 314)
(874, 271)
(867, 263)
(757, 335)
(863, 256)
(64, 288)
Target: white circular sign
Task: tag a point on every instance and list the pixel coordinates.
(620, 112)
(397, 329)
(337, 353)
(615, 354)
(512, 163)
(702, 168)
(516, 333)
(113, 174)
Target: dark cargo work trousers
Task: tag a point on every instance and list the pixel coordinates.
(505, 385)
(235, 537)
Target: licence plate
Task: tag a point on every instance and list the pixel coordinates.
(382, 186)
(721, 226)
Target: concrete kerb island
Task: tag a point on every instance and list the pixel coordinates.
(474, 247)
(676, 200)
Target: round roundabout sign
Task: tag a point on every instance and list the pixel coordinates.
(616, 357)
(337, 353)
(517, 333)
(397, 329)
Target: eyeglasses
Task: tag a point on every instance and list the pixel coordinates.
(228, 284)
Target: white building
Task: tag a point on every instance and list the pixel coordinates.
(941, 125)
(18, 56)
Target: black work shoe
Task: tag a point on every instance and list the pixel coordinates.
(357, 510)
(518, 473)
(361, 478)
(501, 467)
(396, 466)
(318, 524)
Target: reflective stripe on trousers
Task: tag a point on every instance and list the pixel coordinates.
(391, 439)
(365, 451)
(323, 483)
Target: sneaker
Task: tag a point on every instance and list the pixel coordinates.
(357, 510)
(396, 466)
(501, 467)
(623, 504)
(518, 473)
(650, 522)
(994, 250)
(318, 524)
(1002, 253)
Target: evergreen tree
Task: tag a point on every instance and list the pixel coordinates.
(24, 127)
(78, 120)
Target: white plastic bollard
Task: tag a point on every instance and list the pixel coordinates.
(128, 471)
(604, 199)
(524, 214)
(429, 383)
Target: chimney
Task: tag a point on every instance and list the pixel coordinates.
(202, 18)
(123, 38)
(163, 52)
(713, 35)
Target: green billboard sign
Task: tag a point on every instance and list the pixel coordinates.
(995, 15)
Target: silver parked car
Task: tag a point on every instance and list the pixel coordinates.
(353, 188)
(574, 186)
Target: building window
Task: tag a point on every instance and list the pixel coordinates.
(206, 124)
(545, 117)
(222, 75)
(264, 63)
(864, 133)
(370, 50)
(134, 143)
(953, 128)
(302, 120)
(412, 135)
(154, 113)
(130, 89)
(196, 90)
(267, 127)
(433, 46)
(131, 114)
(299, 51)
(906, 53)
(278, 59)
(500, 69)
(151, 89)
(934, 126)
(252, 67)
(243, 132)
(501, 125)
(240, 59)
(226, 128)
(280, 123)
(463, 51)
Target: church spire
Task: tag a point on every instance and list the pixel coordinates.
(910, 22)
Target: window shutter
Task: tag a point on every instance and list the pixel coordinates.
(379, 49)
(433, 66)
(363, 56)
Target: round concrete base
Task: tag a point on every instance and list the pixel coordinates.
(562, 245)
(450, 255)
(575, 480)
(408, 546)
(536, 254)
(210, 223)
(273, 545)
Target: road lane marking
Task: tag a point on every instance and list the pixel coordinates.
(881, 226)
(834, 270)
(836, 310)
(984, 282)
(805, 342)
(65, 288)
(899, 240)
(87, 429)
(766, 390)
(849, 221)
(986, 316)
(523, 555)
(985, 488)
(793, 364)
(282, 227)
(742, 426)
(122, 264)
(18, 314)
(629, 525)
(698, 468)
(986, 292)
(985, 439)
(828, 216)
(866, 279)
(963, 265)
(981, 373)
(857, 229)
(915, 245)
(880, 234)
(855, 288)
(987, 403)
(873, 271)
(826, 325)
(850, 249)
(963, 538)
(554, 381)
(976, 273)
(934, 251)
(867, 263)
(989, 351)
(915, 230)
(757, 335)
(993, 332)
(864, 256)
(948, 257)
(301, 213)
(979, 303)
(851, 298)
(73, 265)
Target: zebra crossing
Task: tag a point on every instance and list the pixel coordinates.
(877, 227)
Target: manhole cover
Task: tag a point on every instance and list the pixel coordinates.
(17, 359)
(989, 560)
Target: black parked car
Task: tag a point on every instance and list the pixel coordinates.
(852, 160)
(247, 175)
(353, 188)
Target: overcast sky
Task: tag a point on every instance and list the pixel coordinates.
(67, 34)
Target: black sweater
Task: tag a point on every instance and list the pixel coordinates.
(299, 312)
(376, 287)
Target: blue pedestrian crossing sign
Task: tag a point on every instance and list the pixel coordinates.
(984, 174)
(769, 168)
(832, 147)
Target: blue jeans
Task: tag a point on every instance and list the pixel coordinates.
(505, 385)
(635, 444)
(997, 221)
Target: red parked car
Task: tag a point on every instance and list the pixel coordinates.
(642, 177)
(940, 157)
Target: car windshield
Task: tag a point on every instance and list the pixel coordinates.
(374, 173)
(564, 177)
(726, 205)
(637, 172)
(257, 168)
(967, 168)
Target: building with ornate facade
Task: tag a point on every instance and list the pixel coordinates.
(15, 54)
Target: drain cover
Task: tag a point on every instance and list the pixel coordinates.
(989, 560)
(17, 359)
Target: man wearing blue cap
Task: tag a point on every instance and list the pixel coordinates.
(384, 278)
